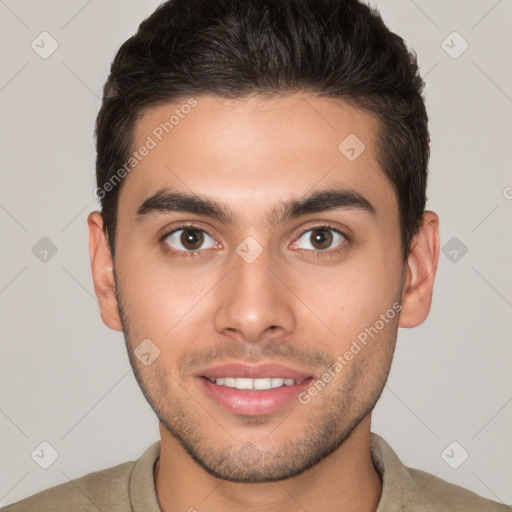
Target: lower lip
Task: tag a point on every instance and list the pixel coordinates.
(253, 403)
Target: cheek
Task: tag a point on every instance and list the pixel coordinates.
(162, 297)
(351, 297)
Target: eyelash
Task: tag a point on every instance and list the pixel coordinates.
(316, 254)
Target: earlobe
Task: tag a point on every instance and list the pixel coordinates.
(420, 271)
(102, 272)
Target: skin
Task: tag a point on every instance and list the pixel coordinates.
(288, 306)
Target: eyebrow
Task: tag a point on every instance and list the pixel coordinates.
(166, 200)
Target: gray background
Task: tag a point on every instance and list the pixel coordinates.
(65, 377)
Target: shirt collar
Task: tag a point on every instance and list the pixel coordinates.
(142, 485)
(397, 485)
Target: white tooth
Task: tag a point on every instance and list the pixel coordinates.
(263, 383)
(277, 382)
(229, 382)
(241, 383)
(257, 384)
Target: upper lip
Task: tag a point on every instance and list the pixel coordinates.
(254, 371)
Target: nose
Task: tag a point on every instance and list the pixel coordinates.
(254, 300)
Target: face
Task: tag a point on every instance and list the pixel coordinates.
(251, 248)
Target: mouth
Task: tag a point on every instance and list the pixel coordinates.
(253, 390)
(254, 384)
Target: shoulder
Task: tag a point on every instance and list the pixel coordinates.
(434, 494)
(412, 490)
(100, 490)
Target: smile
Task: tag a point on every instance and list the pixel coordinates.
(254, 384)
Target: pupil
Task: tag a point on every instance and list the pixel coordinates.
(321, 238)
(192, 239)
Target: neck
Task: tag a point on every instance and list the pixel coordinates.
(345, 480)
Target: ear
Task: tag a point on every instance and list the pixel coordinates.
(420, 272)
(102, 272)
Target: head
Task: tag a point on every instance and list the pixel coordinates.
(262, 170)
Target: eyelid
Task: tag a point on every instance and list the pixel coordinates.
(169, 231)
(324, 225)
(183, 226)
(312, 225)
(318, 225)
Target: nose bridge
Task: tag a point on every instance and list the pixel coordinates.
(253, 299)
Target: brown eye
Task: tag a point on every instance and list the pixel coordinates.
(321, 238)
(189, 239)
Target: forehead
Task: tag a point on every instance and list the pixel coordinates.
(252, 152)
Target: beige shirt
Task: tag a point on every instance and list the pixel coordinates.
(130, 487)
